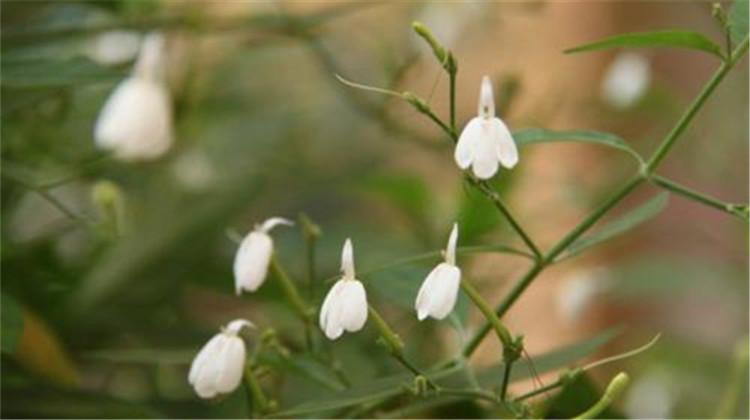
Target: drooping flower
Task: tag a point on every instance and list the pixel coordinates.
(345, 307)
(486, 139)
(626, 80)
(136, 121)
(439, 291)
(218, 366)
(254, 255)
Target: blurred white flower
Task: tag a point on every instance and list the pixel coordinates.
(345, 307)
(579, 290)
(652, 396)
(486, 140)
(219, 365)
(254, 255)
(194, 170)
(438, 293)
(136, 121)
(626, 80)
(114, 47)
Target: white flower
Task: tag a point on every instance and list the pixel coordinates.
(345, 306)
(136, 121)
(114, 47)
(486, 139)
(579, 290)
(218, 367)
(254, 255)
(626, 80)
(439, 291)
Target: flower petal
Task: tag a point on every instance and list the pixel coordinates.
(447, 280)
(251, 261)
(486, 99)
(205, 381)
(426, 295)
(330, 312)
(450, 249)
(347, 260)
(505, 146)
(136, 121)
(205, 355)
(354, 306)
(235, 326)
(231, 365)
(485, 155)
(467, 141)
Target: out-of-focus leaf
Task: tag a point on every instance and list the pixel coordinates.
(12, 324)
(306, 366)
(37, 73)
(620, 225)
(144, 356)
(41, 353)
(540, 135)
(408, 193)
(36, 403)
(476, 216)
(380, 389)
(671, 39)
(738, 17)
(158, 237)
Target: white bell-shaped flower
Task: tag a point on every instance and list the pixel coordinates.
(345, 306)
(626, 80)
(219, 365)
(486, 139)
(254, 255)
(136, 121)
(437, 296)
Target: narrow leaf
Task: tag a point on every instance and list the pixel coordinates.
(619, 226)
(673, 39)
(738, 17)
(540, 135)
(12, 324)
(37, 73)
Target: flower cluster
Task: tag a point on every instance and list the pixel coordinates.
(484, 145)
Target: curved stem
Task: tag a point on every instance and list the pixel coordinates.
(699, 197)
(614, 389)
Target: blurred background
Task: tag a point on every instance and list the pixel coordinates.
(102, 311)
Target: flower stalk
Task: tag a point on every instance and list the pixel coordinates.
(305, 312)
(257, 396)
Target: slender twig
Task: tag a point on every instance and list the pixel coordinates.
(292, 293)
(733, 209)
(54, 201)
(258, 397)
(599, 212)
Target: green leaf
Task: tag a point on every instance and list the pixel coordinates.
(390, 386)
(540, 135)
(620, 225)
(738, 16)
(673, 39)
(144, 356)
(12, 324)
(36, 73)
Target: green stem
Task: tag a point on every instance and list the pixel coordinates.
(697, 196)
(547, 259)
(614, 389)
(452, 99)
(390, 338)
(292, 293)
(738, 374)
(467, 393)
(697, 103)
(485, 188)
(260, 402)
(540, 390)
(502, 333)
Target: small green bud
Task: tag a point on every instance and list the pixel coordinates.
(617, 385)
(310, 229)
(109, 202)
(718, 13)
(416, 102)
(421, 385)
(437, 49)
(273, 405)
